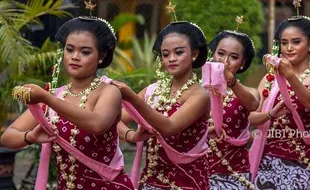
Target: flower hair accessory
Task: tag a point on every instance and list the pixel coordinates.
(267, 59)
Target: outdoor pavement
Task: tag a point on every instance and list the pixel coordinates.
(23, 161)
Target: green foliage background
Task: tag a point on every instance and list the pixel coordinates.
(214, 16)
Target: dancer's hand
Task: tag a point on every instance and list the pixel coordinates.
(139, 135)
(126, 91)
(38, 135)
(38, 94)
(229, 76)
(285, 68)
(212, 134)
(279, 110)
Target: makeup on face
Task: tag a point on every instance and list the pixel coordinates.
(229, 51)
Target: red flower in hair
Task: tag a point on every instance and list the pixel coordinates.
(270, 77)
(265, 93)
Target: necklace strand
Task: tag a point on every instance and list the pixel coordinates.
(165, 105)
(74, 132)
(282, 120)
(213, 148)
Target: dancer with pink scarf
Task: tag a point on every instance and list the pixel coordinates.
(176, 108)
(82, 115)
(229, 127)
(280, 153)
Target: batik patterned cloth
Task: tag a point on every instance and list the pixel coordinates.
(192, 176)
(280, 167)
(101, 148)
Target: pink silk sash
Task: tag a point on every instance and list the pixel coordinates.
(213, 79)
(174, 156)
(107, 172)
(257, 148)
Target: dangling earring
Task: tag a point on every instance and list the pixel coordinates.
(100, 61)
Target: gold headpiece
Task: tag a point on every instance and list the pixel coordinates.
(171, 9)
(21, 93)
(297, 5)
(91, 7)
(239, 20)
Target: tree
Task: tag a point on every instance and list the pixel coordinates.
(19, 59)
(215, 16)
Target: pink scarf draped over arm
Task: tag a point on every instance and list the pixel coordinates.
(174, 156)
(213, 79)
(257, 148)
(107, 172)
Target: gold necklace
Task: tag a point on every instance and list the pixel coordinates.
(218, 153)
(164, 104)
(94, 84)
(163, 92)
(74, 132)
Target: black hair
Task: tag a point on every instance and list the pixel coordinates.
(105, 39)
(300, 22)
(245, 41)
(196, 40)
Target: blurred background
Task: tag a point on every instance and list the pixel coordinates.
(28, 51)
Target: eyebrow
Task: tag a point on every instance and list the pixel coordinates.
(174, 48)
(292, 39)
(81, 47)
(231, 53)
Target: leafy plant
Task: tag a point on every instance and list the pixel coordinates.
(137, 71)
(124, 18)
(20, 61)
(215, 16)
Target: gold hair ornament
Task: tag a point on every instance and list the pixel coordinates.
(239, 20)
(21, 93)
(171, 9)
(297, 4)
(90, 6)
